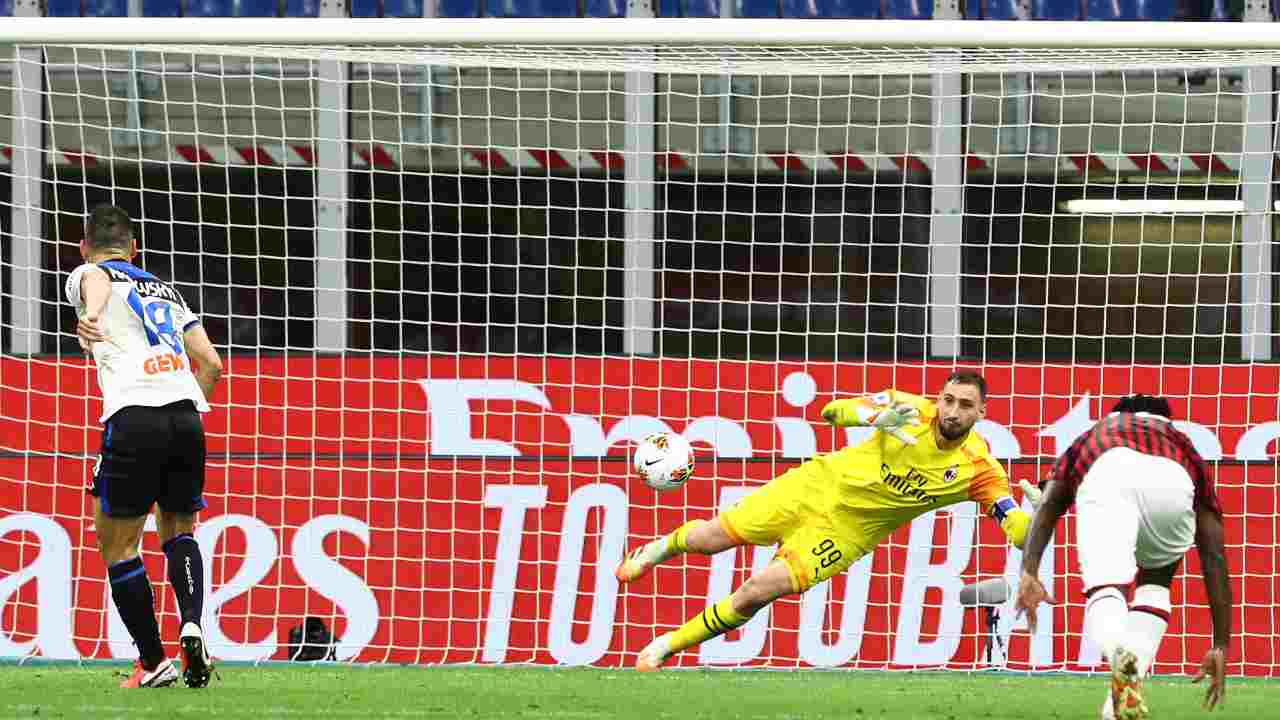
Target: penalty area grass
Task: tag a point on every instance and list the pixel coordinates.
(67, 690)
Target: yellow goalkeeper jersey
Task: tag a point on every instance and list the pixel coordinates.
(883, 483)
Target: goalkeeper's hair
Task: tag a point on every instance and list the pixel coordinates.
(109, 228)
(969, 377)
(1139, 403)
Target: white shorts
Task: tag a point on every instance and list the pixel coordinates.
(1132, 510)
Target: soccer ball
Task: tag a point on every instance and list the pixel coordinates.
(664, 461)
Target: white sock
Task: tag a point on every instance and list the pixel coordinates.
(656, 551)
(1106, 619)
(1148, 619)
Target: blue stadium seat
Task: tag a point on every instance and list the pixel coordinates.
(833, 8)
(908, 9)
(532, 8)
(692, 8)
(458, 8)
(992, 10)
(386, 8)
(87, 8)
(162, 8)
(604, 8)
(1130, 10)
(302, 8)
(6, 8)
(759, 8)
(1056, 10)
(231, 8)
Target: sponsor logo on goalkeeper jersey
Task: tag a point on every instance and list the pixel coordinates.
(909, 484)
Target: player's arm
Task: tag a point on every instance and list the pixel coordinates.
(1057, 499)
(95, 290)
(208, 366)
(990, 489)
(888, 411)
(1213, 565)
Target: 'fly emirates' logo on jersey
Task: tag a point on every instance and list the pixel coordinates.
(909, 484)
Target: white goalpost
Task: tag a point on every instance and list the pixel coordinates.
(456, 268)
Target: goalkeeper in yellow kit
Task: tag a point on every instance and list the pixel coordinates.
(835, 508)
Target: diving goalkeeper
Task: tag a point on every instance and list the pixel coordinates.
(835, 508)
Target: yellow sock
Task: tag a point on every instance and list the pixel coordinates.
(678, 540)
(715, 620)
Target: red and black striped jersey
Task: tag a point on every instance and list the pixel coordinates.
(1147, 434)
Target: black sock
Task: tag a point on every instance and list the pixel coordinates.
(186, 575)
(131, 591)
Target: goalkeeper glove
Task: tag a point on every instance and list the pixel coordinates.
(1033, 493)
(891, 420)
(1015, 526)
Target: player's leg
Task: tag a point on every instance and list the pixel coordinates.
(182, 499)
(1149, 613)
(758, 519)
(705, 537)
(731, 612)
(124, 489)
(1108, 520)
(810, 554)
(1166, 532)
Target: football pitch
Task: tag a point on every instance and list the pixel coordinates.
(329, 691)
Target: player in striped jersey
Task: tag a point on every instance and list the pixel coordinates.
(837, 507)
(143, 339)
(1143, 497)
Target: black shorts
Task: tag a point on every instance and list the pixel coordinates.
(151, 455)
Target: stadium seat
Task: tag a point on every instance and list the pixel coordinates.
(86, 8)
(231, 8)
(908, 9)
(302, 8)
(458, 8)
(162, 8)
(689, 8)
(1130, 10)
(387, 8)
(1056, 10)
(6, 8)
(833, 8)
(604, 8)
(532, 8)
(992, 10)
(758, 8)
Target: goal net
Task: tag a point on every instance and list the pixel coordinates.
(454, 279)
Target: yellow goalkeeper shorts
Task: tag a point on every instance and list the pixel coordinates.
(792, 510)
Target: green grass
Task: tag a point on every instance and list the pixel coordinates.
(278, 690)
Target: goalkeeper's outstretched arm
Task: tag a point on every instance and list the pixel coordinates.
(889, 411)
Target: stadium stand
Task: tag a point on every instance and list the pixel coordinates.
(689, 8)
(386, 8)
(1104, 10)
(231, 8)
(1130, 10)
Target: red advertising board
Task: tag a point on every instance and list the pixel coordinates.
(470, 509)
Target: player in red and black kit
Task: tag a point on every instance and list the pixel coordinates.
(1143, 497)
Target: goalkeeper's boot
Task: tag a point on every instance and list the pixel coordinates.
(654, 654)
(1126, 686)
(159, 676)
(638, 563)
(196, 666)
